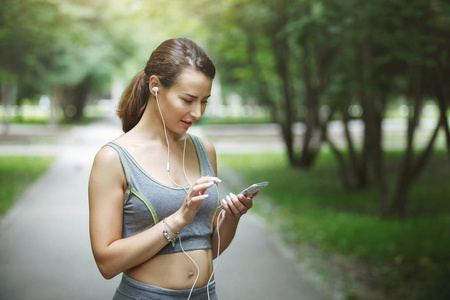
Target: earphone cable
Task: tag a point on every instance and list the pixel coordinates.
(168, 149)
(184, 172)
(198, 269)
(165, 135)
(221, 214)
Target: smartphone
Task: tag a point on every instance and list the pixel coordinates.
(254, 188)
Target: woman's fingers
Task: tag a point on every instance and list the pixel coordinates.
(199, 198)
(254, 195)
(196, 195)
(208, 179)
(205, 182)
(198, 189)
(236, 205)
(247, 201)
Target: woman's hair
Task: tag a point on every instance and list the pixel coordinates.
(166, 62)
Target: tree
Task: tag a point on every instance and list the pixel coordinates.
(65, 48)
(398, 47)
(266, 53)
(100, 40)
(325, 56)
(29, 42)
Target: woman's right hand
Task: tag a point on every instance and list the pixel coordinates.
(194, 198)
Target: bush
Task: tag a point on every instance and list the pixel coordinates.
(16, 173)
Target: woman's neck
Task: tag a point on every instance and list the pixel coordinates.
(151, 126)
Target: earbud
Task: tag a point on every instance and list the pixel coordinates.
(155, 89)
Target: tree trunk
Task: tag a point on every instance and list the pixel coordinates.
(404, 177)
(346, 177)
(8, 90)
(372, 115)
(312, 133)
(400, 199)
(378, 160)
(443, 101)
(5, 104)
(80, 96)
(411, 167)
(358, 167)
(281, 54)
(344, 170)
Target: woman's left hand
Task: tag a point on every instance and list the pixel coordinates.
(237, 206)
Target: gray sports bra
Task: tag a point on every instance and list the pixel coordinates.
(148, 202)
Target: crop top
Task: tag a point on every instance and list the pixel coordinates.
(148, 202)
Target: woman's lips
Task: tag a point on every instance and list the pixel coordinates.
(186, 124)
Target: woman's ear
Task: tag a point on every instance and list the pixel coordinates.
(154, 84)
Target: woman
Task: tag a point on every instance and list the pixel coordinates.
(153, 193)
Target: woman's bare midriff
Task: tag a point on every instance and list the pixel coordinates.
(175, 271)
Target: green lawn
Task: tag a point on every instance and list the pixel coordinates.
(311, 208)
(16, 174)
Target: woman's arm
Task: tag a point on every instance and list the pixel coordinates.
(107, 186)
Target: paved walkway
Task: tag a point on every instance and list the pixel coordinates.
(45, 249)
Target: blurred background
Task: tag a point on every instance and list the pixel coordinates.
(343, 106)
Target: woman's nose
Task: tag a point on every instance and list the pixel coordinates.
(197, 111)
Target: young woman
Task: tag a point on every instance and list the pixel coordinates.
(153, 193)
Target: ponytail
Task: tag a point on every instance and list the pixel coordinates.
(134, 101)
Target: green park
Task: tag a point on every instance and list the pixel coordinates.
(343, 106)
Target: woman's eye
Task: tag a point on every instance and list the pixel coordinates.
(189, 101)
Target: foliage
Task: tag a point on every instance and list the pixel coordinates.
(305, 60)
(71, 46)
(315, 60)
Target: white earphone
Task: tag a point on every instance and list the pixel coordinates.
(156, 89)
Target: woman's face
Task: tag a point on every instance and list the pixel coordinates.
(185, 102)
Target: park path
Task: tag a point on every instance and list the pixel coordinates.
(44, 239)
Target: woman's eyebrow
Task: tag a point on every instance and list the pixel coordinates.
(189, 95)
(195, 97)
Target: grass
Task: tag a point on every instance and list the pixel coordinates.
(29, 120)
(16, 174)
(312, 209)
(44, 120)
(246, 120)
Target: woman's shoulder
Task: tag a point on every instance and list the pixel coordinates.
(107, 155)
(208, 145)
(107, 167)
(211, 152)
